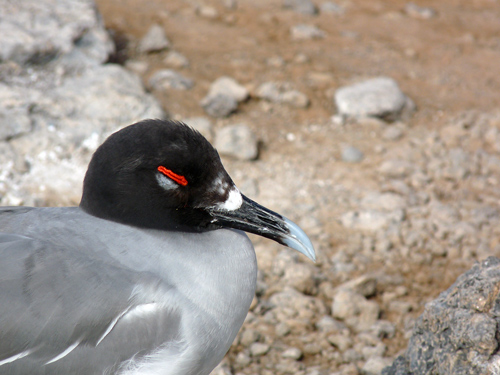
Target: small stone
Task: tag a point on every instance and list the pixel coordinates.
(331, 8)
(340, 341)
(237, 141)
(301, 6)
(312, 349)
(282, 329)
(257, 349)
(229, 87)
(248, 337)
(378, 97)
(383, 329)
(351, 154)
(219, 105)
(242, 360)
(392, 133)
(293, 353)
(166, 79)
(328, 324)
(301, 58)
(416, 11)
(374, 351)
(401, 307)
(369, 220)
(396, 168)
(155, 40)
(230, 4)
(176, 60)
(201, 124)
(300, 276)
(355, 310)
(306, 32)
(137, 66)
(207, 12)
(365, 285)
(276, 62)
(281, 92)
(351, 355)
(375, 365)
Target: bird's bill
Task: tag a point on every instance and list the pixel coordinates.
(253, 218)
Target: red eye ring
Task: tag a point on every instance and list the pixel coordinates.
(181, 180)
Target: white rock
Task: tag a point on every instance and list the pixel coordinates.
(169, 79)
(306, 32)
(377, 97)
(258, 349)
(293, 353)
(202, 124)
(229, 87)
(237, 141)
(154, 40)
(176, 60)
(301, 6)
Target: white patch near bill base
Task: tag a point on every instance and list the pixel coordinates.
(165, 182)
(233, 201)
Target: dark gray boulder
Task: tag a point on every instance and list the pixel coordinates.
(458, 333)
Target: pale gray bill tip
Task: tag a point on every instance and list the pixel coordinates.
(298, 240)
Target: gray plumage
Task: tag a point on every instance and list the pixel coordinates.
(68, 276)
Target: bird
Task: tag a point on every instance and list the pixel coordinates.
(151, 274)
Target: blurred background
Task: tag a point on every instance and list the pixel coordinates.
(373, 124)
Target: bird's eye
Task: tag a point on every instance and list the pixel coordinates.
(181, 180)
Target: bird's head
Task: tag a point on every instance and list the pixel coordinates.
(165, 175)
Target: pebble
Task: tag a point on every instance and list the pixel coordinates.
(176, 60)
(258, 349)
(365, 285)
(248, 337)
(242, 360)
(368, 220)
(417, 11)
(300, 276)
(377, 97)
(281, 92)
(301, 6)
(355, 310)
(207, 11)
(237, 141)
(396, 168)
(375, 365)
(282, 329)
(292, 353)
(229, 87)
(306, 32)
(137, 66)
(342, 342)
(383, 329)
(328, 324)
(201, 124)
(219, 105)
(392, 133)
(331, 8)
(351, 154)
(155, 40)
(166, 79)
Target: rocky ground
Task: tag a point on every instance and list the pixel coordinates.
(396, 180)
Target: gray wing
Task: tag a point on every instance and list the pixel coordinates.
(52, 297)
